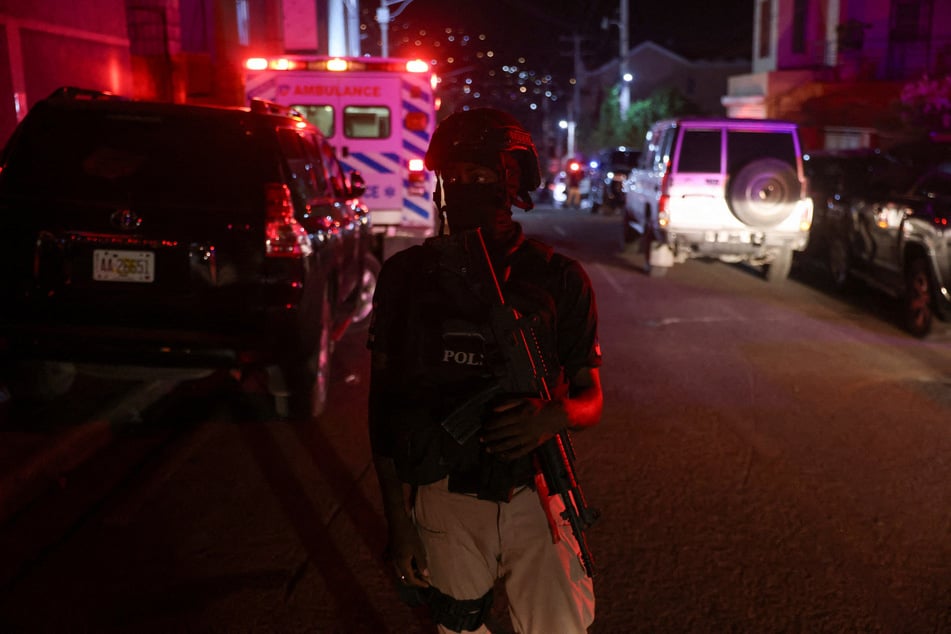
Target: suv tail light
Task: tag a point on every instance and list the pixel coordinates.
(663, 214)
(284, 237)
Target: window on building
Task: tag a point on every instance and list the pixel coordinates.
(907, 19)
(765, 20)
(244, 32)
(799, 24)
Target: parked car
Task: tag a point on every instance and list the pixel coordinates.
(717, 187)
(900, 243)
(609, 170)
(158, 234)
(835, 178)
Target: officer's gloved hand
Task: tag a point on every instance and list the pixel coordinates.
(520, 425)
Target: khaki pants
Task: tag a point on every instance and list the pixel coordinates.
(573, 199)
(470, 543)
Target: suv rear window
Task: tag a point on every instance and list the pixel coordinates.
(700, 152)
(86, 155)
(746, 146)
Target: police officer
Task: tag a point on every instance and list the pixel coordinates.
(461, 517)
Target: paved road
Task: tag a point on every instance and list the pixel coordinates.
(771, 459)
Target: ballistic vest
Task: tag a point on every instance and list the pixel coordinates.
(448, 355)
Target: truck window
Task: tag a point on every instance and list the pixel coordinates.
(366, 122)
(664, 146)
(743, 147)
(320, 116)
(700, 152)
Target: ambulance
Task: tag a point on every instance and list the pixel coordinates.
(379, 114)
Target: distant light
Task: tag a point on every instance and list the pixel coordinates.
(628, 77)
(563, 124)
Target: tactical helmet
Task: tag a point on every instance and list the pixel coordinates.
(473, 133)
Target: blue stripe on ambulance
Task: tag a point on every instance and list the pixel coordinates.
(423, 212)
(371, 164)
(413, 149)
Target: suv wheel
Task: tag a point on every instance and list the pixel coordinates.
(763, 193)
(308, 380)
(371, 272)
(917, 307)
(778, 270)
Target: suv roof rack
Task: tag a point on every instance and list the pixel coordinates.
(73, 92)
(263, 106)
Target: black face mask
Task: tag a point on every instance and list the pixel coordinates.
(478, 205)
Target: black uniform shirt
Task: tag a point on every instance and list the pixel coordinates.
(429, 341)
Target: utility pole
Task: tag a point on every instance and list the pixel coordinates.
(383, 18)
(576, 94)
(574, 109)
(625, 97)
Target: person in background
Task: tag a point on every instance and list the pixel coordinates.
(574, 177)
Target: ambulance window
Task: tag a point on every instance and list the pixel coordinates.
(320, 116)
(366, 122)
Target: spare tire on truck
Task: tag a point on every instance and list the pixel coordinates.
(764, 192)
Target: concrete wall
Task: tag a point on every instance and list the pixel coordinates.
(46, 44)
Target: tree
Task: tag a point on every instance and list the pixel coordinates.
(612, 130)
(926, 104)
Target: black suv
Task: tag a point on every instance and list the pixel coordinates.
(158, 234)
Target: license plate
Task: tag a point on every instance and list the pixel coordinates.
(123, 266)
(733, 236)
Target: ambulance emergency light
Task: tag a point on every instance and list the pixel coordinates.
(337, 64)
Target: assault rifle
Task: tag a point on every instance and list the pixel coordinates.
(526, 373)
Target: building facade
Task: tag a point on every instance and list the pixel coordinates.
(838, 67)
(52, 43)
(703, 82)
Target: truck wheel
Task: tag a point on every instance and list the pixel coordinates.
(778, 270)
(763, 193)
(630, 234)
(918, 305)
(839, 263)
(308, 379)
(371, 272)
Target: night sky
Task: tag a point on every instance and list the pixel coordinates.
(517, 54)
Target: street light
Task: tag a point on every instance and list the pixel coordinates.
(570, 127)
(383, 18)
